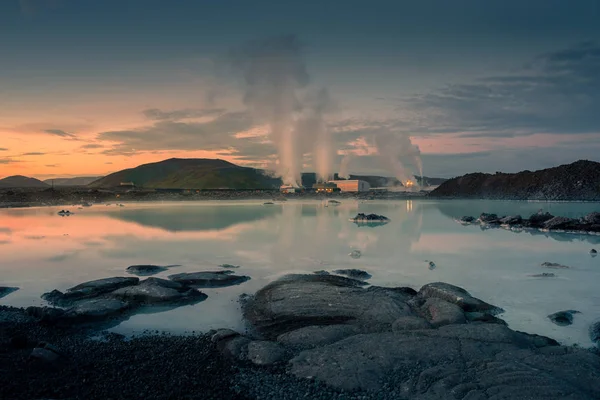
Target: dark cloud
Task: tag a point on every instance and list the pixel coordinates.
(3, 149)
(174, 115)
(557, 93)
(52, 165)
(59, 132)
(217, 134)
(33, 154)
(8, 161)
(92, 146)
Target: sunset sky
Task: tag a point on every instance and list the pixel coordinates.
(89, 87)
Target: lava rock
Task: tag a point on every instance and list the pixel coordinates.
(410, 324)
(6, 290)
(370, 219)
(456, 295)
(560, 223)
(593, 252)
(94, 310)
(45, 352)
(467, 219)
(354, 273)
(229, 266)
(223, 334)
(538, 219)
(145, 270)
(592, 218)
(563, 318)
(554, 265)
(262, 352)
(595, 332)
(209, 279)
(356, 254)
(155, 291)
(543, 275)
(313, 336)
(477, 316)
(511, 220)
(235, 347)
(488, 218)
(88, 290)
(440, 312)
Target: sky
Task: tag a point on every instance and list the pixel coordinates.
(90, 87)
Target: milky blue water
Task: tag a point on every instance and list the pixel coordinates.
(41, 251)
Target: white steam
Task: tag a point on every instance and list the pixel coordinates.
(275, 74)
(396, 150)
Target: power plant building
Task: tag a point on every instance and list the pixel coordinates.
(352, 185)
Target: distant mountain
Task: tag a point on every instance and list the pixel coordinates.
(198, 173)
(78, 181)
(19, 181)
(577, 181)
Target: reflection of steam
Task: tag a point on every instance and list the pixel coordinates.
(275, 72)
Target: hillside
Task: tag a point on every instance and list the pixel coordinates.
(191, 174)
(19, 182)
(78, 181)
(577, 181)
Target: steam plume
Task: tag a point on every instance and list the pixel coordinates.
(396, 149)
(275, 73)
(345, 166)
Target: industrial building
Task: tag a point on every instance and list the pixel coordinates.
(290, 189)
(328, 187)
(352, 185)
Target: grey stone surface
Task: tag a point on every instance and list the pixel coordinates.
(223, 334)
(155, 290)
(456, 295)
(209, 279)
(88, 290)
(313, 336)
(95, 309)
(145, 270)
(262, 352)
(296, 301)
(559, 223)
(6, 290)
(235, 347)
(553, 265)
(353, 273)
(592, 218)
(563, 318)
(595, 332)
(410, 324)
(440, 312)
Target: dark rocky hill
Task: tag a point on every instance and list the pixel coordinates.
(19, 182)
(577, 181)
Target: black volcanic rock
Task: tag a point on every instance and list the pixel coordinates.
(209, 279)
(5, 291)
(577, 181)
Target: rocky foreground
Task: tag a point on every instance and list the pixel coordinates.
(309, 336)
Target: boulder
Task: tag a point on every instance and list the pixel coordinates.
(223, 334)
(477, 316)
(158, 291)
(456, 295)
(262, 352)
(209, 279)
(94, 310)
(297, 301)
(440, 312)
(595, 332)
(488, 218)
(511, 220)
(354, 273)
(467, 220)
(410, 324)
(145, 270)
(318, 335)
(563, 318)
(560, 223)
(6, 290)
(543, 275)
(88, 290)
(234, 347)
(592, 218)
(229, 266)
(45, 352)
(45, 314)
(370, 219)
(552, 265)
(538, 219)
(593, 252)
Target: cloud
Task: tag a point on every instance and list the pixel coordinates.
(92, 146)
(33, 154)
(175, 115)
(216, 134)
(556, 93)
(59, 132)
(3, 149)
(6, 161)
(52, 165)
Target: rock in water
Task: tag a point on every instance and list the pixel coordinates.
(313, 336)
(88, 290)
(538, 219)
(354, 273)
(554, 265)
(229, 266)
(595, 332)
(559, 223)
(440, 312)
(155, 291)
(593, 252)
(356, 254)
(511, 220)
(297, 301)
(592, 218)
(370, 219)
(563, 318)
(488, 218)
(209, 279)
(467, 220)
(94, 310)
(543, 275)
(456, 295)
(262, 352)
(6, 290)
(145, 270)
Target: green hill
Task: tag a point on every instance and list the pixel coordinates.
(198, 173)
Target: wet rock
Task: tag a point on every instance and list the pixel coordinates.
(268, 203)
(410, 324)
(543, 275)
(477, 316)
(321, 272)
(94, 310)
(88, 290)
(431, 265)
(456, 295)
(592, 218)
(552, 265)
(563, 318)
(262, 352)
(313, 336)
(370, 219)
(229, 266)
(235, 347)
(46, 353)
(45, 314)
(18, 341)
(593, 252)
(155, 291)
(356, 254)
(440, 312)
(297, 301)
(560, 223)
(354, 273)
(488, 218)
(145, 270)
(511, 220)
(209, 279)
(467, 220)
(594, 332)
(223, 334)
(538, 219)
(6, 290)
